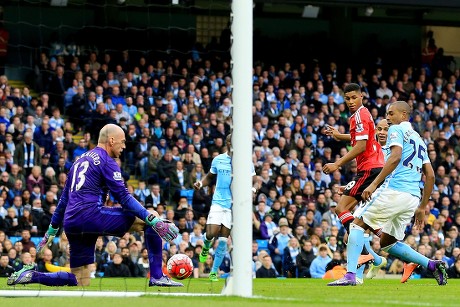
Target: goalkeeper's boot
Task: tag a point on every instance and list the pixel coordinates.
(374, 269)
(23, 276)
(213, 276)
(438, 268)
(164, 281)
(409, 268)
(348, 280)
(204, 254)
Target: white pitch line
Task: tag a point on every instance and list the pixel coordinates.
(79, 293)
(48, 293)
(181, 294)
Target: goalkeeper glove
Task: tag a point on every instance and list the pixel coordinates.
(47, 239)
(164, 228)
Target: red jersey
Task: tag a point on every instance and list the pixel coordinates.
(362, 128)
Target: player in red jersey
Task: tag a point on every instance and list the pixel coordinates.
(366, 150)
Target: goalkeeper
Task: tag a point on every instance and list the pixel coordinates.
(82, 213)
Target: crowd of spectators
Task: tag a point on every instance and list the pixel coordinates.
(176, 114)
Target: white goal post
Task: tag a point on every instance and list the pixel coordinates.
(241, 54)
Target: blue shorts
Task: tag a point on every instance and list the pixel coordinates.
(82, 234)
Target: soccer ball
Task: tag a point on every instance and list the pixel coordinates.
(180, 266)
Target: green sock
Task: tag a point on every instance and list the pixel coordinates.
(207, 243)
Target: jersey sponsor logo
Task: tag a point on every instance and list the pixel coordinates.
(117, 176)
(225, 172)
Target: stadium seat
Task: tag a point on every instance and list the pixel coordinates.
(188, 194)
(263, 244)
(36, 240)
(15, 239)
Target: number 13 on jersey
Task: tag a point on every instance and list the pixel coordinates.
(78, 176)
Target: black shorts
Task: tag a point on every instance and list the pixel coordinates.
(360, 182)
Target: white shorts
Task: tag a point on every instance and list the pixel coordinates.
(389, 210)
(220, 216)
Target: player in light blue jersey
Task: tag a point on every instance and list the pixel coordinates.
(219, 221)
(393, 205)
(379, 262)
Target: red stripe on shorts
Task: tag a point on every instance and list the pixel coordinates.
(354, 190)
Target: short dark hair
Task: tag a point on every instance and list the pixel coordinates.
(352, 87)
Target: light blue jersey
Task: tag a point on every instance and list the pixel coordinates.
(386, 152)
(222, 167)
(407, 175)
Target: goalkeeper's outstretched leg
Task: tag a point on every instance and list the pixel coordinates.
(28, 275)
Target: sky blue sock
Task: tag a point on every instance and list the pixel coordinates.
(367, 245)
(360, 271)
(354, 247)
(407, 254)
(219, 255)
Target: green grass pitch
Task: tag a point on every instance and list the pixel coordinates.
(268, 292)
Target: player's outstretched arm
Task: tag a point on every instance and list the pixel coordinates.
(428, 171)
(207, 180)
(58, 216)
(56, 220)
(359, 148)
(115, 182)
(331, 131)
(166, 229)
(388, 168)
